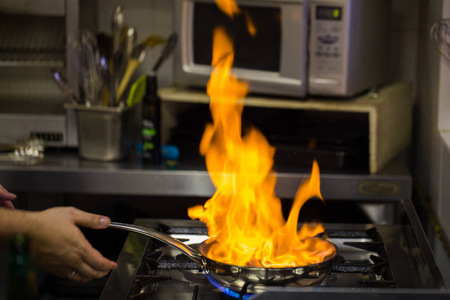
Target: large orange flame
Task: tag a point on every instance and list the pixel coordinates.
(244, 217)
(230, 8)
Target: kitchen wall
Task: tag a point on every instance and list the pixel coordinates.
(152, 17)
(431, 151)
(413, 58)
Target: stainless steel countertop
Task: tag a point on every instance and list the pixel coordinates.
(65, 172)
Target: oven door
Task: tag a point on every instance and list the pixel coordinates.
(271, 57)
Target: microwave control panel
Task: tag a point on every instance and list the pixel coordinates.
(348, 46)
(327, 40)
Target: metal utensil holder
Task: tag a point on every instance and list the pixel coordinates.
(105, 133)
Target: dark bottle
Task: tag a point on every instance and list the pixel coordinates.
(22, 275)
(151, 119)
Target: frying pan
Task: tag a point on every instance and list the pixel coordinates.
(253, 279)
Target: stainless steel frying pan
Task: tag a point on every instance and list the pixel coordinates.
(254, 279)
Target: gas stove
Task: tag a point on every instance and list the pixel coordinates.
(393, 260)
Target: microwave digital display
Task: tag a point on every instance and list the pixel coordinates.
(258, 52)
(328, 13)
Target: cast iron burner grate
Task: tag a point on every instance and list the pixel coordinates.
(362, 262)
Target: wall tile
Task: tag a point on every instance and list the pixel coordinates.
(428, 64)
(149, 18)
(403, 56)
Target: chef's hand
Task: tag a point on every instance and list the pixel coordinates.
(6, 198)
(58, 245)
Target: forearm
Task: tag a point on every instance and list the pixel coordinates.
(56, 242)
(14, 222)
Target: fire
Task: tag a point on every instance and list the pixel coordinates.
(244, 217)
(251, 28)
(230, 8)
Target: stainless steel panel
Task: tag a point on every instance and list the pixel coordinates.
(349, 55)
(33, 38)
(19, 128)
(67, 173)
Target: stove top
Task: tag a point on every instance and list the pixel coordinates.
(372, 258)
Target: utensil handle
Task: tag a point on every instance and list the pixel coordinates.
(191, 253)
(62, 84)
(168, 48)
(131, 67)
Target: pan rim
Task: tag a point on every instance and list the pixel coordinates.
(328, 259)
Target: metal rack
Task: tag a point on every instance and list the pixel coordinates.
(32, 41)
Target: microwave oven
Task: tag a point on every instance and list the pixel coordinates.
(335, 48)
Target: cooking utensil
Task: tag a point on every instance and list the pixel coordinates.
(90, 62)
(137, 91)
(119, 63)
(128, 39)
(64, 86)
(440, 36)
(106, 76)
(139, 52)
(85, 51)
(168, 48)
(136, 58)
(104, 133)
(255, 279)
(105, 46)
(117, 23)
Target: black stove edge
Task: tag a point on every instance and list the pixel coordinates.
(423, 243)
(325, 293)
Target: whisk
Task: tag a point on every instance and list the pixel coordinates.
(440, 36)
(84, 49)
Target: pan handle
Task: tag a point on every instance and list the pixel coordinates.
(196, 256)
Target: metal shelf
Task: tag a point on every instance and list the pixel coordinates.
(389, 113)
(32, 41)
(32, 58)
(65, 172)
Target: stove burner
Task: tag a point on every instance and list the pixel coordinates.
(369, 246)
(372, 259)
(177, 265)
(361, 262)
(241, 295)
